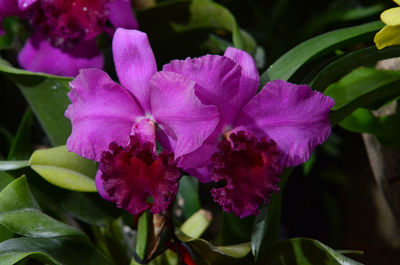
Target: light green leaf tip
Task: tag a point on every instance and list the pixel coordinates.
(64, 169)
(197, 223)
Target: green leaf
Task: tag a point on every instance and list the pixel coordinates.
(53, 242)
(303, 251)
(346, 63)
(188, 192)
(11, 26)
(13, 164)
(268, 221)
(212, 254)
(21, 145)
(47, 96)
(58, 250)
(64, 169)
(195, 226)
(386, 128)
(5, 179)
(20, 213)
(290, 62)
(89, 207)
(234, 229)
(142, 235)
(361, 88)
(205, 13)
(5, 233)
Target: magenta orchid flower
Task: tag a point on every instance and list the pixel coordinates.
(65, 34)
(257, 134)
(116, 125)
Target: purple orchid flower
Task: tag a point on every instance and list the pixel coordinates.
(65, 32)
(257, 134)
(116, 125)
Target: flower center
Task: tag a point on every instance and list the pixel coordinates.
(250, 169)
(133, 174)
(67, 22)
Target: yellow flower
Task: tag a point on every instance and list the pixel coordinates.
(390, 34)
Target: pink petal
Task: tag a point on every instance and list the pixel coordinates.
(294, 116)
(179, 112)
(198, 162)
(250, 78)
(121, 14)
(100, 186)
(39, 56)
(101, 112)
(134, 62)
(218, 80)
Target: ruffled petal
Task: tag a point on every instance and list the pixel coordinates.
(179, 112)
(121, 14)
(135, 63)
(250, 78)
(134, 173)
(38, 55)
(101, 112)
(294, 116)
(218, 79)
(250, 169)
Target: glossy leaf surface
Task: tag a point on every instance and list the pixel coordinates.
(64, 169)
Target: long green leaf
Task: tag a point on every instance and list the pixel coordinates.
(188, 194)
(64, 169)
(21, 146)
(211, 254)
(58, 250)
(302, 251)
(47, 96)
(142, 235)
(346, 63)
(290, 62)
(20, 213)
(13, 164)
(361, 88)
(267, 222)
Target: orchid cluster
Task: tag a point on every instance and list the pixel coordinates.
(65, 31)
(165, 145)
(208, 117)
